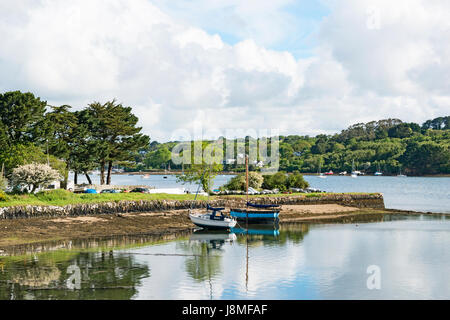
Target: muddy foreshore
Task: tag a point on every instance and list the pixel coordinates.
(27, 225)
(15, 232)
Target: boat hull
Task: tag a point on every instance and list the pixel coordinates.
(255, 216)
(204, 221)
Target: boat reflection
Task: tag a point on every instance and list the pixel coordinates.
(260, 230)
(214, 239)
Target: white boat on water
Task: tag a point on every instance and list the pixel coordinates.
(400, 174)
(354, 172)
(320, 174)
(214, 219)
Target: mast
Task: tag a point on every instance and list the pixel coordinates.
(246, 175)
(246, 220)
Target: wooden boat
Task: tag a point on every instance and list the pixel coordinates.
(255, 213)
(215, 219)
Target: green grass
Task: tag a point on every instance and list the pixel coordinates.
(62, 197)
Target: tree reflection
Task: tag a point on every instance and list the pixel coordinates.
(100, 275)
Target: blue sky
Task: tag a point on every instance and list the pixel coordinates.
(304, 18)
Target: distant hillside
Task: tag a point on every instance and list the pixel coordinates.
(390, 145)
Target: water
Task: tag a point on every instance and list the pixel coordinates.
(425, 194)
(299, 261)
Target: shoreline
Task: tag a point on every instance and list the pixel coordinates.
(38, 230)
(227, 173)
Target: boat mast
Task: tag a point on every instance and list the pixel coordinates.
(246, 221)
(246, 175)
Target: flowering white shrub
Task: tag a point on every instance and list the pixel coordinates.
(34, 176)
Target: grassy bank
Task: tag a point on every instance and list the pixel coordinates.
(62, 197)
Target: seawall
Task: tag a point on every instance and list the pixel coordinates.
(360, 200)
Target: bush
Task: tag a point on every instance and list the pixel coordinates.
(283, 182)
(275, 181)
(34, 176)
(3, 196)
(255, 180)
(296, 180)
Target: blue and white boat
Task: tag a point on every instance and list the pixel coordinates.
(257, 213)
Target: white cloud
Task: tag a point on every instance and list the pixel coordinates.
(171, 71)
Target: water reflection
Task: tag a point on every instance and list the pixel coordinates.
(101, 275)
(289, 261)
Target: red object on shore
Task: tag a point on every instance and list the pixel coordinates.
(329, 173)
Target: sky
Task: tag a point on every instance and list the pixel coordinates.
(214, 66)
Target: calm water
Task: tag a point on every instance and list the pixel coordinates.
(408, 193)
(298, 261)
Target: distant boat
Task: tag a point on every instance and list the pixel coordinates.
(145, 176)
(329, 173)
(354, 172)
(400, 173)
(378, 172)
(319, 174)
(343, 173)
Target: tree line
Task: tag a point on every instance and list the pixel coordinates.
(98, 136)
(389, 145)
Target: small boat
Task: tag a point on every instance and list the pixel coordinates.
(262, 213)
(329, 173)
(343, 173)
(354, 172)
(400, 174)
(378, 172)
(319, 174)
(215, 219)
(145, 176)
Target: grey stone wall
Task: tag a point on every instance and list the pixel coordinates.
(356, 200)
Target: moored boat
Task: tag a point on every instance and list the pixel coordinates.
(255, 213)
(259, 213)
(215, 219)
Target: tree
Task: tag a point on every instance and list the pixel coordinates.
(33, 176)
(60, 127)
(158, 157)
(112, 128)
(426, 157)
(203, 168)
(21, 117)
